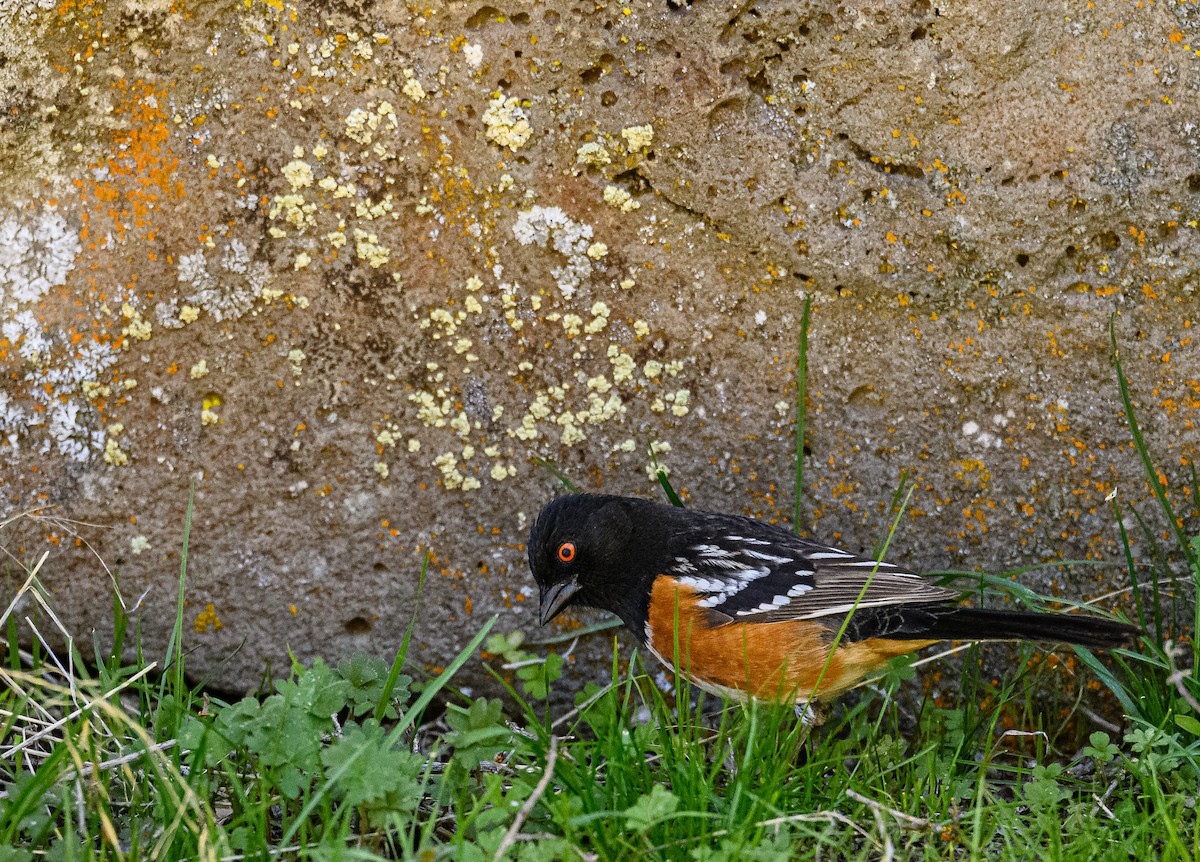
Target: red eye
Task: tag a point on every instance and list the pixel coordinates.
(566, 552)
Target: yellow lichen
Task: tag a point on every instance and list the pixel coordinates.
(599, 383)
(679, 401)
(615, 196)
(137, 328)
(412, 87)
(506, 123)
(112, 450)
(623, 365)
(298, 173)
(593, 154)
(638, 138)
(369, 249)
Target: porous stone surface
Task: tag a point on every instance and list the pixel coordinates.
(352, 268)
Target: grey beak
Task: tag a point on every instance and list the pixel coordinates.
(555, 598)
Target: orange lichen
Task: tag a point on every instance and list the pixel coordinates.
(207, 620)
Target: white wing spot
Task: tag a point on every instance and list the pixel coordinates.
(768, 558)
(736, 566)
(766, 607)
(746, 540)
(829, 555)
(704, 585)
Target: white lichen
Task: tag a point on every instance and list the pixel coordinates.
(72, 439)
(37, 252)
(550, 226)
(226, 287)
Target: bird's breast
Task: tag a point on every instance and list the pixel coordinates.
(787, 661)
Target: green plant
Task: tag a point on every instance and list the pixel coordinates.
(1153, 688)
(372, 760)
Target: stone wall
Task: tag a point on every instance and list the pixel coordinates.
(353, 267)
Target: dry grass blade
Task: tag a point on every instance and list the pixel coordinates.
(92, 768)
(527, 808)
(42, 514)
(34, 682)
(30, 579)
(567, 716)
(906, 819)
(812, 817)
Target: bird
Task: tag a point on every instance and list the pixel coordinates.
(749, 610)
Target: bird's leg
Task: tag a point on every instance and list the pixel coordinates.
(809, 714)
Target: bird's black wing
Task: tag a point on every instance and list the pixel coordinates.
(753, 572)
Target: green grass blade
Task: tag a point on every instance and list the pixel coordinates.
(1106, 676)
(661, 474)
(558, 474)
(401, 654)
(1130, 565)
(841, 632)
(1139, 443)
(898, 497)
(801, 397)
(1195, 486)
(1161, 566)
(670, 492)
(173, 660)
(575, 634)
(176, 639)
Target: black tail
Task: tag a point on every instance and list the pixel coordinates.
(970, 624)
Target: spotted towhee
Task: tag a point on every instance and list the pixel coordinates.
(749, 608)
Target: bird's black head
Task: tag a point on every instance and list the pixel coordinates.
(598, 551)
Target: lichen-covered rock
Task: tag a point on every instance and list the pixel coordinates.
(354, 270)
